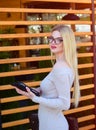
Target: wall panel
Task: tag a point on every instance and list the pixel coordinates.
(15, 115)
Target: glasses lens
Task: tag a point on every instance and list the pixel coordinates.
(56, 40)
(50, 39)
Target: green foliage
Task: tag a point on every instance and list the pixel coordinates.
(6, 55)
(7, 80)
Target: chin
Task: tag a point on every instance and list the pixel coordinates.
(54, 51)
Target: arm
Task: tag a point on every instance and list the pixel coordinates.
(62, 84)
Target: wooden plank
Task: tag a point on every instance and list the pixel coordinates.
(88, 86)
(24, 47)
(12, 99)
(31, 84)
(86, 76)
(35, 107)
(82, 44)
(44, 22)
(26, 59)
(19, 110)
(29, 35)
(84, 98)
(26, 121)
(24, 72)
(39, 58)
(86, 118)
(79, 109)
(87, 65)
(15, 123)
(24, 35)
(87, 127)
(82, 55)
(27, 10)
(35, 71)
(60, 1)
(19, 98)
(37, 83)
(33, 47)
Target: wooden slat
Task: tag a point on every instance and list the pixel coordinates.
(18, 98)
(33, 47)
(86, 76)
(88, 86)
(35, 107)
(25, 47)
(87, 127)
(25, 59)
(26, 10)
(79, 109)
(37, 83)
(39, 58)
(85, 65)
(24, 72)
(86, 118)
(36, 71)
(81, 55)
(82, 44)
(71, 1)
(42, 58)
(26, 121)
(85, 98)
(12, 99)
(15, 123)
(29, 35)
(44, 22)
(32, 83)
(19, 110)
(24, 35)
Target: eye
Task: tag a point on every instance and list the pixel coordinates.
(50, 39)
(59, 39)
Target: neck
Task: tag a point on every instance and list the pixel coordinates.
(60, 57)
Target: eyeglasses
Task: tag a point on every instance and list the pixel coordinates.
(57, 40)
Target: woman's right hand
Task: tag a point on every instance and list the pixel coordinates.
(28, 94)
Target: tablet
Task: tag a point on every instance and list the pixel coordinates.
(23, 86)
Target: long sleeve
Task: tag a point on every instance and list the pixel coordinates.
(62, 80)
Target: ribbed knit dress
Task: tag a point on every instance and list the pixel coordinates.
(54, 99)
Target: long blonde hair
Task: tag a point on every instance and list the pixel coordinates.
(69, 44)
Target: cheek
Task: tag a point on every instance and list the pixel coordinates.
(61, 48)
(58, 49)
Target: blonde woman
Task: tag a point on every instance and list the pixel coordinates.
(55, 88)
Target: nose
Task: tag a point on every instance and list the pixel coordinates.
(53, 41)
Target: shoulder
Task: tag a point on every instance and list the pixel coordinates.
(62, 69)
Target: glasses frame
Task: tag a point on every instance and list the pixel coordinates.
(57, 40)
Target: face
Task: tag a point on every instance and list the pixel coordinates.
(56, 42)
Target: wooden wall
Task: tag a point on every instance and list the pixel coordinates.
(15, 115)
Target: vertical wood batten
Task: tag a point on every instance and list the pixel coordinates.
(94, 52)
(0, 115)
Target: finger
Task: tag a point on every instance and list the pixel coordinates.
(30, 93)
(28, 90)
(21, 92)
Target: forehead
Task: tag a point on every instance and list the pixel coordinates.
(56, 34)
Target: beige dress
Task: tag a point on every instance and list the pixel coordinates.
(54, 99)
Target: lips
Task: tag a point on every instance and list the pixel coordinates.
(53, 47)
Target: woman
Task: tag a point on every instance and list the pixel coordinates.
(55, 88)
